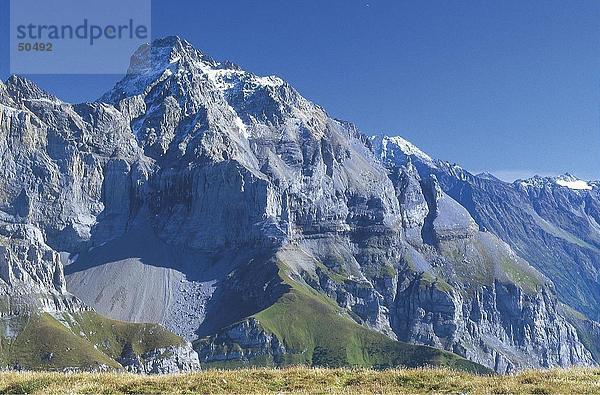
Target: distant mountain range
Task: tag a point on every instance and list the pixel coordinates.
(258, 230)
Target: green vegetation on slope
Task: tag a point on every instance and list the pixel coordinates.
(83, 340)
(302, 380)
(319, 333)
(524, 277)
(44, 343)
(587, 330)
(427, 279)
(485, 260)
(112, 336)
(315, 331)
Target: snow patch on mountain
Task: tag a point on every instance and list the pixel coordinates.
(576, 184)
(407, 147)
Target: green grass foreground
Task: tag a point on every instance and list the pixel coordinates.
(303, 380)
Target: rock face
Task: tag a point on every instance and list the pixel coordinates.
(31, 274)
(498, 326)
(487, 199)
(242, 342)
(174, 359)
(196, 195)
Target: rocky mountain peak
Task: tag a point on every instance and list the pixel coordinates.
(155, 62)
(21, 90)
(174, 95)
(395, 149)
(4, 97)
(164, 52)
(175, 59)
(488, 176)
(570, 181)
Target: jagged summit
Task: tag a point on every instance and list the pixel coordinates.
(176, 94)
(22, 90)
(157, 61)
(175, 58)
(162, 52)
(572, 182)
(397, 150)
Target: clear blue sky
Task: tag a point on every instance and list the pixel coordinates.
(508, 86)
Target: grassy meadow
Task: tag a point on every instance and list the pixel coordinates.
(304, 380)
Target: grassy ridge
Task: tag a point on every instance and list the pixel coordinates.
(44, 343)
(112, 336)
(322, 335)
(82, 340)
(302, 380)
(317, 332)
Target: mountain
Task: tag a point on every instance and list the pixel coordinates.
(44, 193)
(552, 222)
(242, 217)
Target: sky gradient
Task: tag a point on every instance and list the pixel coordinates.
(506, 86)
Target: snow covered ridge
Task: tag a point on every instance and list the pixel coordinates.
(173, 67)
(565, 181)
(395, 149)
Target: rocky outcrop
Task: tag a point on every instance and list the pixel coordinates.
(498, 314)
(31, 274)
(174, 359)
(69, 180)
(244, 342)
(412, 201)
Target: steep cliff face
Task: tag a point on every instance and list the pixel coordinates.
(453, 287)
(229, 208)
(499, 326)
(167, 360)
(243, 342)
(66, 169)
(31, 274)
(67, 181)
